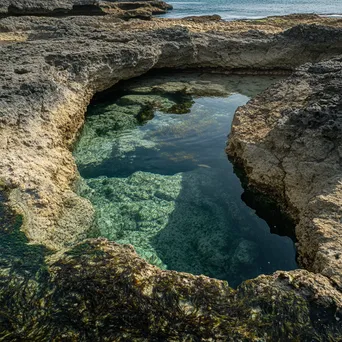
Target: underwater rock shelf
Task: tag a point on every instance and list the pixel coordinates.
(152, 162)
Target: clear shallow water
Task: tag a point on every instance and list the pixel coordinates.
(241, 9)
(16, 254)
(167, 187)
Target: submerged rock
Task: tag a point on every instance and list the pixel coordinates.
(174, 224)
(134, 210)
(245, 253)
(108, 129)
(102, 134)
(156, 101)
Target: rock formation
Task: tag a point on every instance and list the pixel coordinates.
(143, 9)
(52, 67)
(288, 140)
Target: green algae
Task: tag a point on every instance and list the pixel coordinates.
(101, 291)
(15, 252)
(22, 270)
(133, 210)
(155, 100)
(177, 206)
(181, 108)
(146, 113)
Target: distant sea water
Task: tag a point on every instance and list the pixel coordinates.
(253, 9)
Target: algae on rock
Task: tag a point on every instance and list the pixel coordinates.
(163, 185)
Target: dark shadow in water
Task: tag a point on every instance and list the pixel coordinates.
(15, 252)
(210, 231)
(265, 207)
(216, 236)
(143, 159)
(184, 101)
(156, 77)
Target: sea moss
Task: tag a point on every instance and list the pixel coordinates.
(180, 108)
(15, 252)
(149, 184)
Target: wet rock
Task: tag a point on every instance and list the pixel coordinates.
(245, 253)
(204, 18)
(100, 290)
(288, 140)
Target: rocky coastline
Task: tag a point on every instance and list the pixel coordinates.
(287, 140)
(143, 9)
(290, 150)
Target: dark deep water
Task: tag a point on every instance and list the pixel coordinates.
(166, 186)
(15, 252)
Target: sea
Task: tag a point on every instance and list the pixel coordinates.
(253, 9)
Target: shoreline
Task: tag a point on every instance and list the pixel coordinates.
(238, 18)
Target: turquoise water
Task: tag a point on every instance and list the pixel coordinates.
(162, 182)
(17, 257)
(241, 9)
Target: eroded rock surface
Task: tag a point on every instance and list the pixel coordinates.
(100, 289)
(288, 140)
(124, 9)
(63, 62)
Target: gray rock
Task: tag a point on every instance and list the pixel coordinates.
(288, 140)
(123, 9)
(50, 69)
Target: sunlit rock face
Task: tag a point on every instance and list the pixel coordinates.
(66, 61)
(100, 290)
(291, 150)
(143, 9)
(161, 181)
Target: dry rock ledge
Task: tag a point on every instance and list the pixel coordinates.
(143, 9)
(288, 140)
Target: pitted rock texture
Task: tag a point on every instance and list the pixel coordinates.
(104, 291)
(63, 62)
(123, 9)
(288, 140)
(46, 82)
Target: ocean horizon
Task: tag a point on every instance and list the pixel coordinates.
(252, 9)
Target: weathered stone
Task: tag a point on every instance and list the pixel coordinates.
(288, 140)
(100, 290)
(60, 79)
(143, 9)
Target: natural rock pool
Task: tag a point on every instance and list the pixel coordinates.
(152, 161)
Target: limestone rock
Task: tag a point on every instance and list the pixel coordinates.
(288, 140)
(124, 9)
